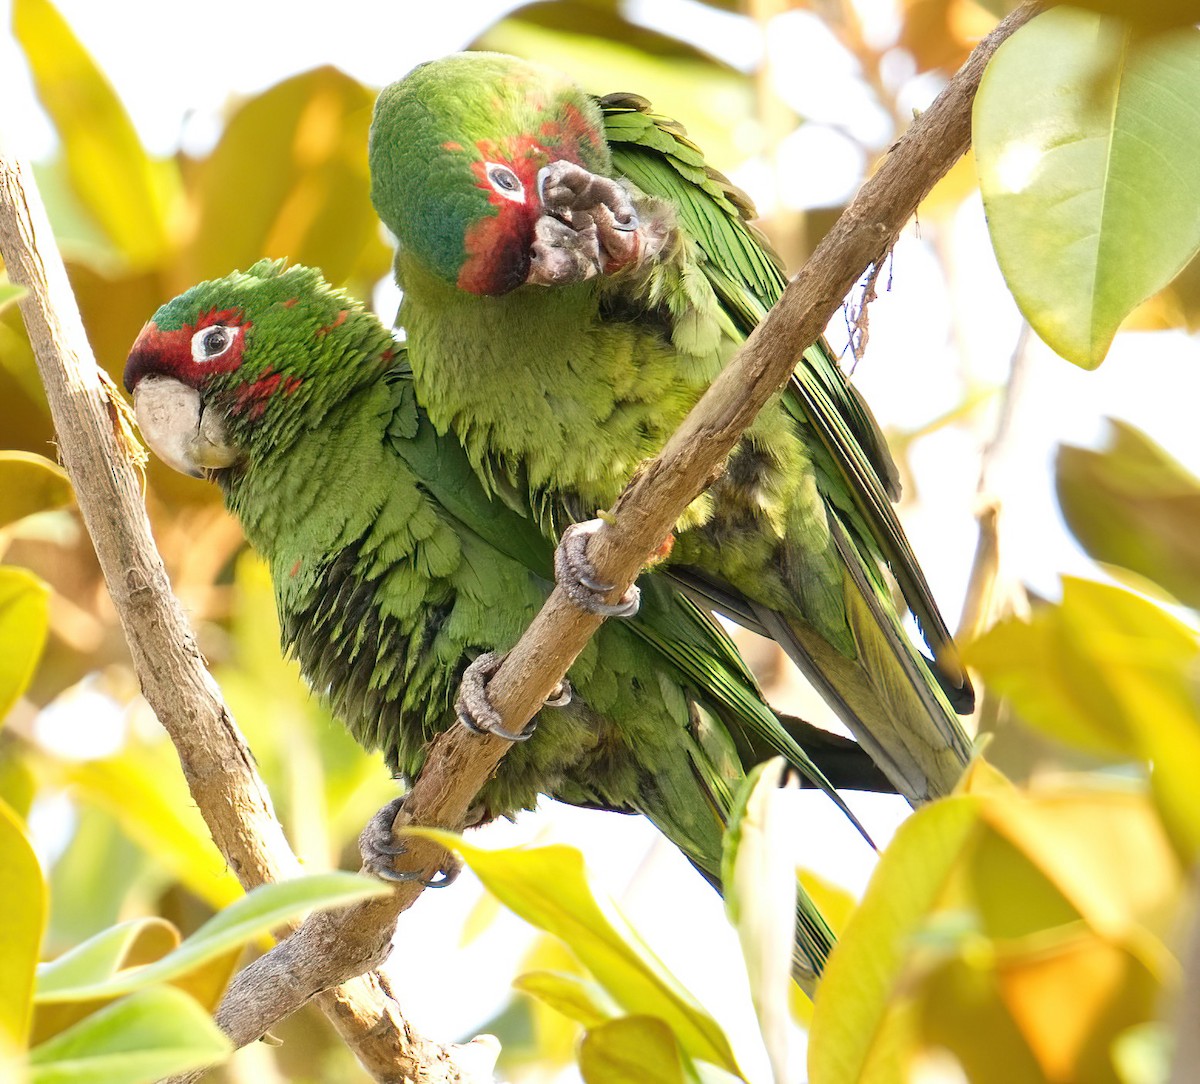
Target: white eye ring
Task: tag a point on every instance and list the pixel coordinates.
(211, 342)
(505, 182)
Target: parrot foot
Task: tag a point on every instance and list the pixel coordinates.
(576, 575)
(379, 852)
(590, 226)
(474, 708)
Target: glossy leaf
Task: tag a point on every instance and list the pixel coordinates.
(858, 1036)
(24, 619)
(22, 919)
(1114, 674)
(1078, 118)
(256, 913)
(142, 1038)
(110, 172)
(631, 1050)
(758, 872)
(30, 483)
(548, 888)
(1134, 506)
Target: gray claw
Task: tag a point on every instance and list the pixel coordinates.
(379, 852)
(577, 576)
(474, 708)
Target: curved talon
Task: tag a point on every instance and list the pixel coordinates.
(474, 710)
(577, 576)
(440, 879)
(561, 696)
(496, 731)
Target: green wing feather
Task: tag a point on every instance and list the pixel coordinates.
(655, 154)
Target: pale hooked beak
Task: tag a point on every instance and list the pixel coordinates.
(178, 429)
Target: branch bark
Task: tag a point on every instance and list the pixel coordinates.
(219, 767)
(459, 763)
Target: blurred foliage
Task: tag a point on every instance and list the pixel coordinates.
(1003, 929)
(1131, 505)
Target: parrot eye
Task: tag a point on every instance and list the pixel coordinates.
(505, 182)
(211, 342)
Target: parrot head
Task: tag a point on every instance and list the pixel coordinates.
(236, 361)
(463, 151)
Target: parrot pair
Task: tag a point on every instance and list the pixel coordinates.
(573, 277)
(392, 569)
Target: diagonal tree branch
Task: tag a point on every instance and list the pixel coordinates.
(330, 948)
(460, 763)
(95, 446)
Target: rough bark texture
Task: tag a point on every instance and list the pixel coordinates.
(329, 948)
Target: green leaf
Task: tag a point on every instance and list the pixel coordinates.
(1087, 139)
(256, 913)
(858, 1035)
(548, 888)
(24, 619)
(758, 871)
(142, 1038)
(110, 172)
(631, 1050)
(574, 997)
(1113, 673)
(101, 956)
(22, 920)
(30, 483)
(1134, 506)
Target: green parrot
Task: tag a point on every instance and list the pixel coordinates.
(574, 276)
(392, 570)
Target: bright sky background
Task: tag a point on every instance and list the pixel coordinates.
(177, 66)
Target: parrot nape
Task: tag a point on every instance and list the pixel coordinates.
(392, 570)
(574, 276)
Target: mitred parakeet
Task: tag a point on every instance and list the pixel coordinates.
(392, 569)
(573, 278)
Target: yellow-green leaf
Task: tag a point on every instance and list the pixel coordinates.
(547, 887)
(24, 619)
(858, 1035)
(304, 141)
(1115, 674)
(1134, 506)
(151, 1035)
(30, 483)
(22, 919)
(1087, 139)
(110, 172)
(101, 956)
(255, 913)
(574, 997)
(631, 1050)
